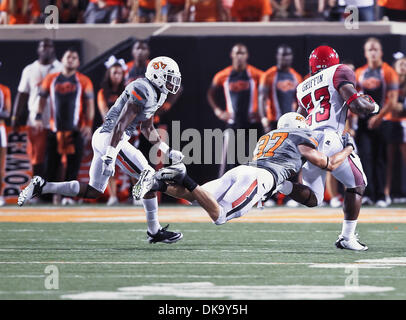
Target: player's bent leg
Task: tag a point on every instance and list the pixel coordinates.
(249, 185)
(134, 163)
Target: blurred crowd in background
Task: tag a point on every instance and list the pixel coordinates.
(144, 11)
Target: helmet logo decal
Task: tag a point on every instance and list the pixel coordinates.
(158, 64)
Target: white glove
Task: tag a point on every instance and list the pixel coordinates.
(175, 155)
(107, 166)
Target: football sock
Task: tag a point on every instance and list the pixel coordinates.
(348, 230)
(151, 211)
(67, 188)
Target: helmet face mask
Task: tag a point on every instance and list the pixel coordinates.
(164, 73)
(292, 120)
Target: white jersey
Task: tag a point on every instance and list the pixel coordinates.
(142, 93)
(30, 83)
(319, 95)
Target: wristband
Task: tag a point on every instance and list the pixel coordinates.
(353, 97)
(376, 110)
(163, 147)
(111, 152)
(328, 160)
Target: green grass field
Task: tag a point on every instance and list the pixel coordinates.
(233, 261)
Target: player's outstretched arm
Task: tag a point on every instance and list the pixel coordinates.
(152, 135)
(358, 103)
(321, 160)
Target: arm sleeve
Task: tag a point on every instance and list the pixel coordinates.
(343, 75)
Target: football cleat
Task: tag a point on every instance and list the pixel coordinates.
(350, 244)
(173, 173)
(144, 184)
(34, 189)
(165, 236)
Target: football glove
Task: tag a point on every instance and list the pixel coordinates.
(175, 155)
(107, 166)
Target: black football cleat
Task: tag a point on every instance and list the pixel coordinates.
(165, 236)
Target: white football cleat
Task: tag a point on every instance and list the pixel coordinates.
(34, 189)
(350, 244)
(144, 184)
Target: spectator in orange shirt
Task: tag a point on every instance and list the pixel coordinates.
(5, 108)
(251, 10)
(396, 128)
(72, 114)
(277, 89)
(112, 86)
(205, 11)
(103, 11)
(395, 10)
(379, 80)
(149, 11)
(239, 82)
(19, 11)
(277, 94)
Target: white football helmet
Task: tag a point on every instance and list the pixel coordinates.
(164, 73)
(292, 120)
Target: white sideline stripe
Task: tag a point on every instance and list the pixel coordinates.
(153, 262)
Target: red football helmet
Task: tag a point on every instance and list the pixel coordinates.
(322, 57)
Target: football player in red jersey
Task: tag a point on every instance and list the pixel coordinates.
(325, 98)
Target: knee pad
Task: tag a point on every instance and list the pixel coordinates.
(357, 190)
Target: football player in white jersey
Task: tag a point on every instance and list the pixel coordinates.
(135, 106)
(324, 98)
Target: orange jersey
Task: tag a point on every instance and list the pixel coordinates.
(21, 15)
(67, 95)
(150, 4)
(282, 91)
(377, 83)
(250, 10)
(240, 91)
(5, 100)
(109, 100)
(206, 10)
(393, 4)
